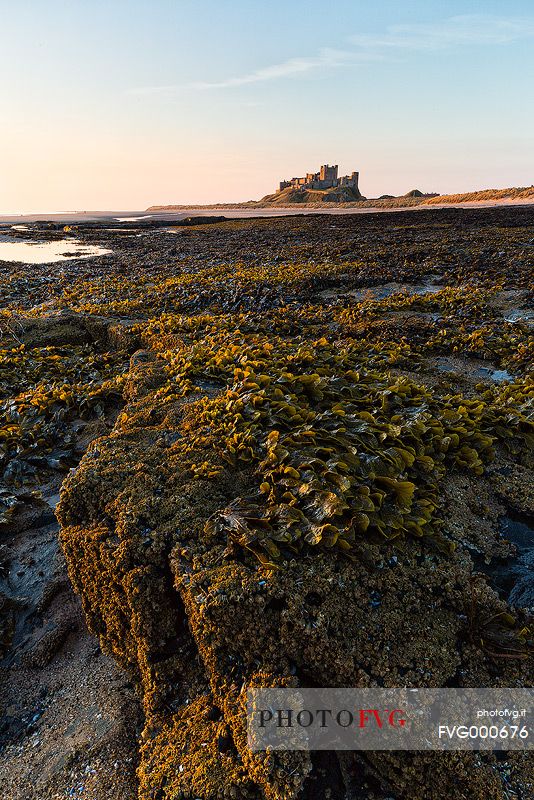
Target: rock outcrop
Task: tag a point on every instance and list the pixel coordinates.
(215, 538)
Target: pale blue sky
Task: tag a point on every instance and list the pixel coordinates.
(121, 104)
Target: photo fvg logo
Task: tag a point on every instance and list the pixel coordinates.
(286, 718)
(325, 717)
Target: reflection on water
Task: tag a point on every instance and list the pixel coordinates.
(497, 375)
(27, 252)
(387, 289)
(468, 367)
(513, 576)
(520, 315)
(133, 219)
(382, 291)
(518, 573)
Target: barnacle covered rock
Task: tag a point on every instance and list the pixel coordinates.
(255, 524)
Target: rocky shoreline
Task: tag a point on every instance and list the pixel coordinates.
(284, 451)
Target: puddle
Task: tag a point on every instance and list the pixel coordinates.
(383, 290)
(31, 563)
(497, 375)
(53, 500)
(469, 369)
(45, 252)
(424, 288)
(520, 315)
(133, 219)
(444, 365)
(513, 577)
(518, 528)
(130, 232)
(387, 289)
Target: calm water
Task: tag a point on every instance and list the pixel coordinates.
(517, 574)
(513, 577)
(521, 315)
(497, 375)
(457, 365)
(29, 252)
(133, 219)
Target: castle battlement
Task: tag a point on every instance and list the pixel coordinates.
(326, 178)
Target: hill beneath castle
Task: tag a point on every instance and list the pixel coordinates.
(290, 195)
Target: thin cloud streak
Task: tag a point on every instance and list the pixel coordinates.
(328, 58)
(467, 29)
(464, 30)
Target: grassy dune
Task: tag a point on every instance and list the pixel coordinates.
(514, 193)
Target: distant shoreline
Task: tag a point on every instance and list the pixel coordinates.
(237, 211)
(412, 199)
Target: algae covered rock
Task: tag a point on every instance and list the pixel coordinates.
(247, 536)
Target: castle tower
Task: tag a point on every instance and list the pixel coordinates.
(328, 173)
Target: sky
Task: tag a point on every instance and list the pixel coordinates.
(123, 104)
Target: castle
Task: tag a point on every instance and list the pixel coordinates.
(326, 178)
